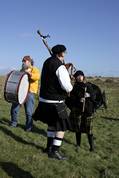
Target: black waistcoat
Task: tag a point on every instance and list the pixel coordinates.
(50, 86)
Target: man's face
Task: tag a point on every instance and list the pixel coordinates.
(61, 55)
(26, 64)
(80, 78)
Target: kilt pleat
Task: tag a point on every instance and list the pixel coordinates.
(54, 115)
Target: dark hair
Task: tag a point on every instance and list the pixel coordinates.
(28, 58)
(78, 72)
(32, 62)
(58, 49)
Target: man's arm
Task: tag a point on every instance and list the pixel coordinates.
(64, 79)
(35, 74)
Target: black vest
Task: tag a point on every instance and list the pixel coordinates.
(50, 86)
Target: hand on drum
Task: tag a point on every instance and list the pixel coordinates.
(28, 72)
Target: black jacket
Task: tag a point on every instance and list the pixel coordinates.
(77, 94)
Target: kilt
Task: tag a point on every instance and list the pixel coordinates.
(54, 115)
(80, 122)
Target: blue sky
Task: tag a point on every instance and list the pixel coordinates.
(88, 28)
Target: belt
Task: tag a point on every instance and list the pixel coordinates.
(50, 101)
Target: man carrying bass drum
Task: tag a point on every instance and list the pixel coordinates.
(34, 76)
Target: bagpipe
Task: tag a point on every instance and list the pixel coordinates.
(69, 66)
(100, 97)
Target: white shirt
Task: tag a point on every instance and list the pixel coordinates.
(64, 79)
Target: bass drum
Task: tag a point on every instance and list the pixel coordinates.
(16, 87)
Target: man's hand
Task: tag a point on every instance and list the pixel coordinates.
(28, 71)
(82, 100)
(87, 95)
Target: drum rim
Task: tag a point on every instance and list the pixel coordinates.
(19, 86)
(8, 75)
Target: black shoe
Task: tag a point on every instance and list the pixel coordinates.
(91, 149)
(56, 155)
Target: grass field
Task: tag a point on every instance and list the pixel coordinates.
(21, 153)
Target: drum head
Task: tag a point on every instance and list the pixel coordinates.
(23, 89)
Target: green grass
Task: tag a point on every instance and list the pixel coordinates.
(21, 153)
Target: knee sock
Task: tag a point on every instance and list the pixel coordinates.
(50, 137)
(57, 143)
(91, 141)
(78, 138)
